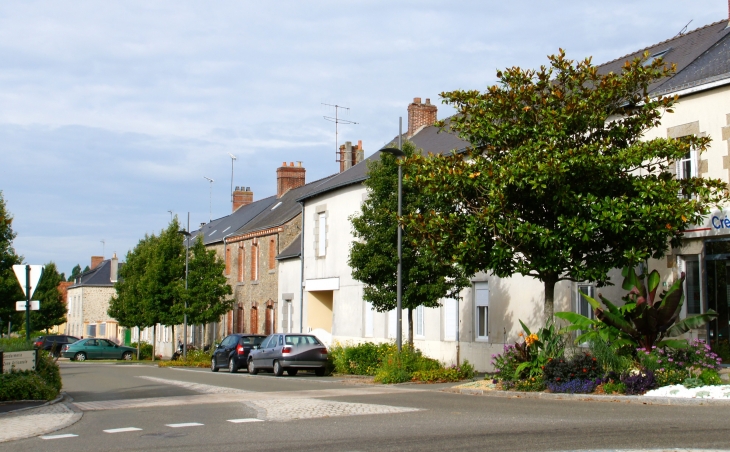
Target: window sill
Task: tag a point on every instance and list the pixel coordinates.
(482, 339)
(271, 272)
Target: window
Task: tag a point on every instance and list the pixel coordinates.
(272, 254)
(102, 330)
(240, 263)
(450, 313)
(254, 261)
(481, 301)
(655, 56)
(368, 319)
(582, 306)
(692, 282)
(322, 236)
(91, 330)
(420, 322)
(687, 167)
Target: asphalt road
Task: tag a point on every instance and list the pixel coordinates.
(166, 409)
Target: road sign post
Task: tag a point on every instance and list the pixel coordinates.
(28, 277)
(27, 302)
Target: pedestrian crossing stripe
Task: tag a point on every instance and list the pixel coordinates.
(122, 430)
(65, 435)
(240, 421)
(186, 424)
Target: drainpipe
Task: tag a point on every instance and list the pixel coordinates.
(458, 326)
(301, 276)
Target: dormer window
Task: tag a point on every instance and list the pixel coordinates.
(655, 56)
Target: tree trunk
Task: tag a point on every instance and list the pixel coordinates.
(410, 328)
(549, 282)
(205, 335)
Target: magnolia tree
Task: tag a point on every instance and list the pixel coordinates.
(559, 182)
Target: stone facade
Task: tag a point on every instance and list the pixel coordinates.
(252, 272)
(87, 312)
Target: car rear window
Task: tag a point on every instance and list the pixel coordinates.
(302, 340)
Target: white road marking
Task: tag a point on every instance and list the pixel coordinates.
(65, 435)
(186, 424)
(240, 421)
(122, 430)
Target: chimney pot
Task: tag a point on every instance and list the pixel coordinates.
(417, 100)
(420, 115)
(289, 177)
(291, 163)
(359, 142)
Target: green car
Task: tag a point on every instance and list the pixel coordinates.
(97, 349)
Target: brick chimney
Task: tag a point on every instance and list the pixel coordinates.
(95, 261)
(242, 196)
(351, 156)
(289, 177)
(420, 115)
(114, 272)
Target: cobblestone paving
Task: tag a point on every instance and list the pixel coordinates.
(36, 421)
(283, 409)
(197, 387)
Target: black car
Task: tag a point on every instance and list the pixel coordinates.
(233, 351)
(53, 344)
(290, 353)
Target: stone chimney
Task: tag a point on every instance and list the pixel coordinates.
(95, 261)
(114, 272)
(289, 177)
(351, 156)
(242, 196)
(421, 115)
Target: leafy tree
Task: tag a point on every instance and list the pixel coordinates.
(52, 311)
(75, 272)
(374, 259)
(207, 286)
(559, 184)
(10, 290)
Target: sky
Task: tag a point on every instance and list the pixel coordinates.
(112, 113)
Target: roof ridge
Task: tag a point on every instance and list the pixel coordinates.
(663, 42)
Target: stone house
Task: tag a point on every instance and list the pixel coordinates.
(88, 301)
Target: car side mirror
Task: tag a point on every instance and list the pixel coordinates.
(255, 347)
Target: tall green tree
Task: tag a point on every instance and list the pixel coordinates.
(75, 272)
(560, 183)
(374, 258)
(52, 311)
(10, 290)
(208, 290)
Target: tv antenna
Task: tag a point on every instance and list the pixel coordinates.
(337, 120)
(681, 32)
(103, 246)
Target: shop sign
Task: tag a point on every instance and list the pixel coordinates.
(18, 361)
(717, 223)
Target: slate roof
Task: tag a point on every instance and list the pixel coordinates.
(684, 50)
(430, 139)
(293, 250)
(100, 276)
(220, 228)
(281, 210)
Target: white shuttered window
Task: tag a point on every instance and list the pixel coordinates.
(481, 300)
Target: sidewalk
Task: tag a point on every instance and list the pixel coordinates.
(30, 422)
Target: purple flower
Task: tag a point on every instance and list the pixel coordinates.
(659, 361)
(670, 360)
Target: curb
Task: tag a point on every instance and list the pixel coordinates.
(58, 398)
(639, 400)
(67, 402)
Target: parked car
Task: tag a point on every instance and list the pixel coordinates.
(233, 351)
(290, 353)
(93, 348)
(53, 344)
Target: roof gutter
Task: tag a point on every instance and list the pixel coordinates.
(699, 88)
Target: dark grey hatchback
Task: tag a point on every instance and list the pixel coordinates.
(290, 353)
(233, 351)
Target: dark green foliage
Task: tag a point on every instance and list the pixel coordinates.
(16, 344)
(360, 359)
(581, 366)
(399, 367)
(145, 350)
(611, 359)
(374, 258)
(53, 309)
(445, 374)
(10, 290)
(207, 286)
(710, 377)
(42, 384)
(612, 387)
(553, 187)
(75, 272)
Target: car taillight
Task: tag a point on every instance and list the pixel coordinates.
(39, 343)
(240, 350)
(65, 347)
(323, 351)
(286, 349)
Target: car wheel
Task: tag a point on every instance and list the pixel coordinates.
(127, 356)
(80, 356)
(292, 372)
(213, 367)
(278, 370)
(232, 366)
(319, 372)
(251, 368)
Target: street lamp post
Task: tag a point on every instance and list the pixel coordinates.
(399, 282)
(185, 312)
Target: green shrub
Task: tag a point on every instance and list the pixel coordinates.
(668, 377)
(581, 366)
(15, 344)
(361, 359)
(400, 367)
(42, 384)
(710, 378)
(614, 387)
(529, 384)
(611, 359)
(444, 375)
(145, 350)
